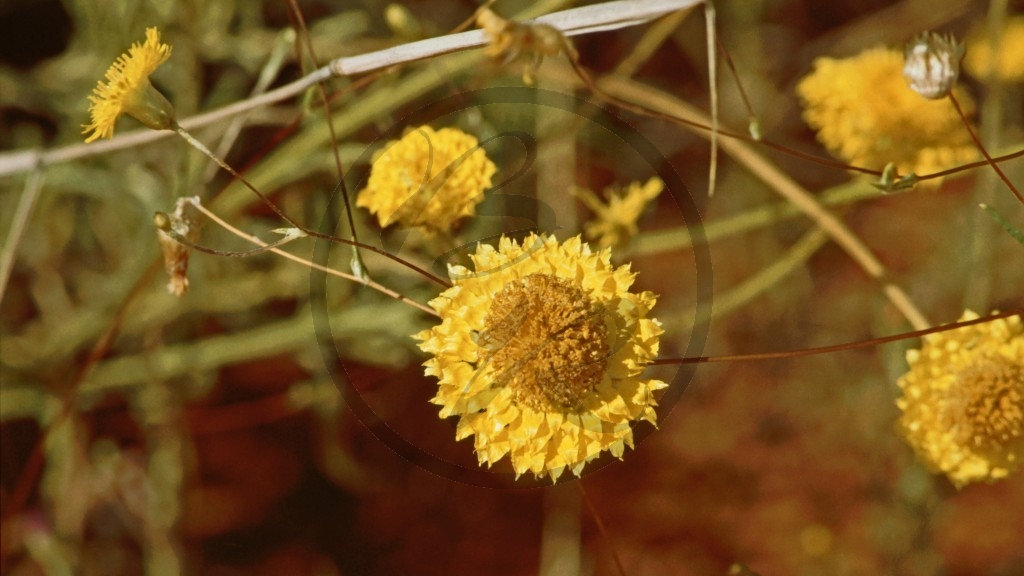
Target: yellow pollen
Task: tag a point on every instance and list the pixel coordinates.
(987, 405)
(524, 357)
(548, 340)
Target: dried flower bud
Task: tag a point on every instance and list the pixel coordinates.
(932, 64)
(183, 223)
(510, 39)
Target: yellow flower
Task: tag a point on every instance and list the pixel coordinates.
(1010, 64)
(540, 352)
(615, 221)
(401, 190)
(963, 400)
(128, 90)
(866, 114)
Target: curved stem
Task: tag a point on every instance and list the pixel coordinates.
(583, 20)
(601, 528)
(750, 288)
(22, 214)
(833, 348)
(357, 259)
(984, 152)
(783, 185)
(369, 283)
(309, 232)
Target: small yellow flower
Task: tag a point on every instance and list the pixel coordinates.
(866, 114)
(963, 400)
(128, 91)
(540, 352)
(615, 221)
(402, 190)
(1010, 64)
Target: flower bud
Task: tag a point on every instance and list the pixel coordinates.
(932, 64)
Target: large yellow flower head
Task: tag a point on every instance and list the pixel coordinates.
(1009, 66)
(540, 352)
(963, 400)
(428, 179)
(865, 113)
(128, 91)
(615, 219)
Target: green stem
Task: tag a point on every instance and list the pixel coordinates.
(679, 238)
(978, 288)
(212, 353)
(746, 291)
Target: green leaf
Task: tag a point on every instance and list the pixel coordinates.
(1017, 234)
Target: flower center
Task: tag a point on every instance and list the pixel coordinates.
(548, 340)
(988, 403)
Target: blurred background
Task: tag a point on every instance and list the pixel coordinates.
(143, 433)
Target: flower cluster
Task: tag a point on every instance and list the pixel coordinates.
(1009, 65)
(615, 220)
(540, 353)
(428, 179)
(963, 400)
(865, 113)
(128, 90)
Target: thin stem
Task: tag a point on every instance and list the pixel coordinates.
(751, 118)
(650, 42)
(971, 166)
(984, 152)
(1003, 223)
(785, 186)
(643, 110)
(27, 202)
(267, 74)
(232, 253)
(979, 280)
(678, 238)
(34, 467)
(27, 480)
(601, 528)
(309, 232)
(572, 22)
(369, 283)
(708, 126)
(192, 141)
(357, 258)
(560, 533)
(835, 347)
(288, 336)
(750, 288)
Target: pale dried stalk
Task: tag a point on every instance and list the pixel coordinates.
(26, 203)
(780, 182)
(572, 22)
